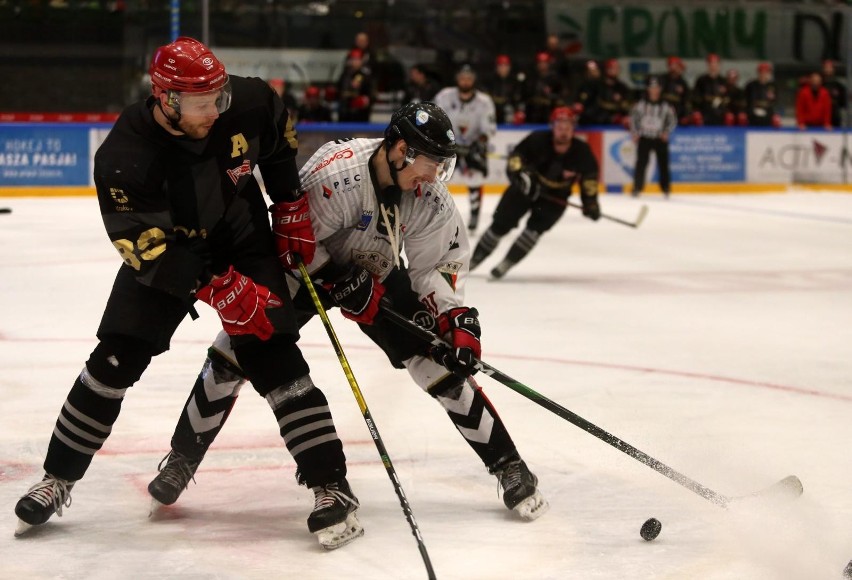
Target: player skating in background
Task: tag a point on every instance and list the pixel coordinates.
(370, 199)
(180, 204)
(542, 169)
(473, 117)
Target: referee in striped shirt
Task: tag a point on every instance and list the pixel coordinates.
(651, 122)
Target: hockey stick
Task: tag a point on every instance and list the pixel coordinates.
(789, 486)
(368, 418)
(643, 211)
(5, 210)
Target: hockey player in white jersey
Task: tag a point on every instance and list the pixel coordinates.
(369, 200)
(474, 120)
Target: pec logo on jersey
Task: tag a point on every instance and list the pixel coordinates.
(236, 173)
(326, 191)
(239, 145)
(366, 218)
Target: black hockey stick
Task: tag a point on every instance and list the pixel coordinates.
(368, 418)
(643, 211)
(5, 210)
(789, 486)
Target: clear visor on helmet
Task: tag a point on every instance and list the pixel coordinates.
(206, 104)
(441, 167)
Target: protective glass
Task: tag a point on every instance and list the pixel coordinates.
(202, 104)
(441, 166)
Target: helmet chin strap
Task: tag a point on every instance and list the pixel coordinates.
(173, 123)
(394, 170)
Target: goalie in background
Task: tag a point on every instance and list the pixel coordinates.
(475, 123)
(542, 170)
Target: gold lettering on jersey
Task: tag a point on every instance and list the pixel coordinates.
(240, 145)
(149, 246)
(190, 233)
(290, 134)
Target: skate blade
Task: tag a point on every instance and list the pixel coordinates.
(339, 535)
(22, 528)
(154, 508)
(533, 507)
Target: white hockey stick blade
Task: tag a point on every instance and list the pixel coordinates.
(788, 488)
(643, 211)
(22, 528)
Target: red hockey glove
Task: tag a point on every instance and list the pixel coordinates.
(240, 303)
(291, 224)
(463, 325)
(358, 296)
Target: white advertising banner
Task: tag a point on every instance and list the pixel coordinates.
(797, 157)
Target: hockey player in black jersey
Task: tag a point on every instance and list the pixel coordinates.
(542, 169)
(402, 204)
(180, 204)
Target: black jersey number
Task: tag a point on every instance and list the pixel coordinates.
(149, 246)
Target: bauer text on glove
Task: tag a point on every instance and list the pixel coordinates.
(240, 303)
(294, 234)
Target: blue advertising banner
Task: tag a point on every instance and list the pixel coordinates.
(700, 155)
(34, 154)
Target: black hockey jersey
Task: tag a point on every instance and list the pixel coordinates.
(168, 203)
(555, 172)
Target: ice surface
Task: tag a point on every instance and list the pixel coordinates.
(715, 338)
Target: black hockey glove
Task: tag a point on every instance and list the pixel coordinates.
(591, 209)
(462, 324)
(358, 295)
(527, 183)
(477, 157)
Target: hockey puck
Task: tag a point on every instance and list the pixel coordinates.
(650, 529)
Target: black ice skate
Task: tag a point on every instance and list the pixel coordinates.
(334, 519)
(500, 269)
(473, 223)
(42, 500)
(520, 492)
(176, 471)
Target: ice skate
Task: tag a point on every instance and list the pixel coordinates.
(334, 519)
(172, 479)
(473, 223)
(42, 500)
(500, 269)
(520, 491)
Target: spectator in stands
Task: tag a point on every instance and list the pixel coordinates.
(361, 42)
(760, 96)
(613, 100)
(675, 90)
(652, 121)
(837, 92)
(313, 109)
(506, 90)
(543, 91)
(813, 104)
(735, 115)
(355, 90)
(280, 87)
(585, 105)
(710, 95)
(558, 59)
(422, 85)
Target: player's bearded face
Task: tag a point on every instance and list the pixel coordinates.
(563, 132)
(197, 127)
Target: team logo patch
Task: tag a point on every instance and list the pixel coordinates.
(421, 118)
(449, 267)
(366, 218)
(326, 191)
(236, 173)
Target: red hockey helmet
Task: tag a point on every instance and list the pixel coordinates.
(186, 68)
(764, 67)
(502, 59)
(562, 114)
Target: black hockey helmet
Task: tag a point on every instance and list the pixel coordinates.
(426, 130)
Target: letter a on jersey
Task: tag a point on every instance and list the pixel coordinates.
(240, 145)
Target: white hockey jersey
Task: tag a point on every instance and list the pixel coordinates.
(346, 219)
(471, 119)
